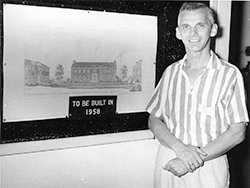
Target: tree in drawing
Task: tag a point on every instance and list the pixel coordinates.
(59, 73)
(124, 72)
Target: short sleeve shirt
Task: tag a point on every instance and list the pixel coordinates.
(199, 113)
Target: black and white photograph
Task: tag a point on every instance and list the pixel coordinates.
(125, 94)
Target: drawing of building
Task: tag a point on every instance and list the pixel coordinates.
(36, 73)
(93, 72)
(137, 72)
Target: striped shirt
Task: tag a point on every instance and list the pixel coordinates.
(199, 113)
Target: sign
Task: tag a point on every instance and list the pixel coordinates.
(92, 106)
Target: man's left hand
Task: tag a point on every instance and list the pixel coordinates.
(176, 167)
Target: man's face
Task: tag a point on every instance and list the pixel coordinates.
(195, 30)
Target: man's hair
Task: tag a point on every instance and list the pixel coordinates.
(191, 6)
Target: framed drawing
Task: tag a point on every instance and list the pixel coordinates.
(51, 54)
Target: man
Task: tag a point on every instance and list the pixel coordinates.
(198, 110)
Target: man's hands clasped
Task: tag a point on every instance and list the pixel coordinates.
(189, 158)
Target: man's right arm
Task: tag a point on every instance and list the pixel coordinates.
(189, 155)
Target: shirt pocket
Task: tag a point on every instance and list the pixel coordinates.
(208, 110)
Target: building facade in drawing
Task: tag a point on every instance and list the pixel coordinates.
(36, 73)
(93, 72)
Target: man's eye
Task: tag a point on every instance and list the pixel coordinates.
(185, 27)
(201, 26)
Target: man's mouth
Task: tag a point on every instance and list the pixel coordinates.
(194, 40)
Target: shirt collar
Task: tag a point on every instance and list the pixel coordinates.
(213, 63)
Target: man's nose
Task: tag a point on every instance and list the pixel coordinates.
(193, 31)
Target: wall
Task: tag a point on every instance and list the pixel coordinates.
(245, 41)
(245, 33)
(121, 165)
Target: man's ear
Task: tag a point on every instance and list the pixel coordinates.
(214, 30)
(177, 33)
